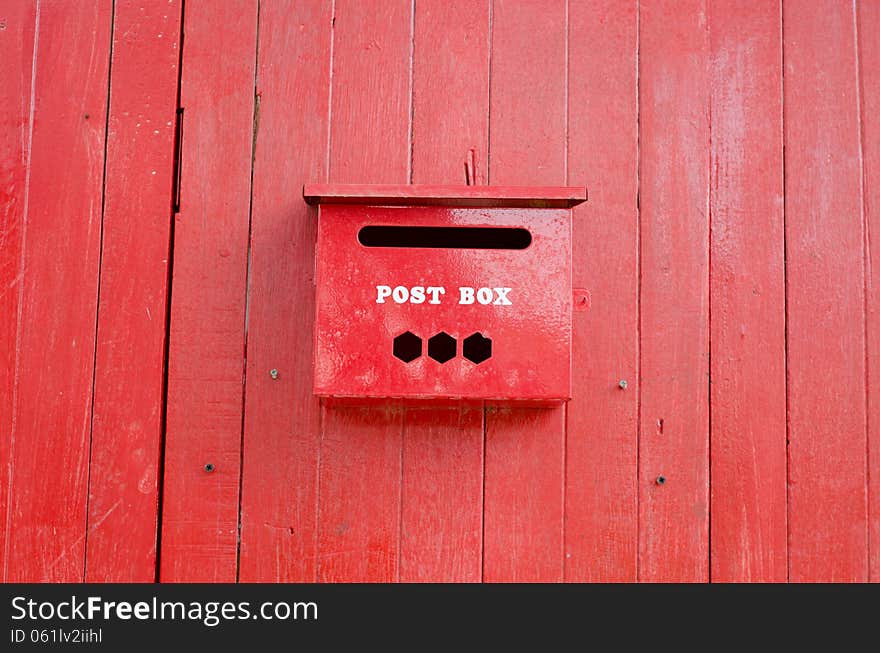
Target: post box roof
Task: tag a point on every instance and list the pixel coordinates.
(446, 195)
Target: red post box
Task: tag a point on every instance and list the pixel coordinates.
(443, 292)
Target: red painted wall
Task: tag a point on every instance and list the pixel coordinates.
(732, 152)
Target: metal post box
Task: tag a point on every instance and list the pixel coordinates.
(443, 292)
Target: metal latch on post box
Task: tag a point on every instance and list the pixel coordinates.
(443, 292)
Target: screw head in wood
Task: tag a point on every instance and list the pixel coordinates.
(209, 467)
(622, 384)
(661, 480)
(273, 373)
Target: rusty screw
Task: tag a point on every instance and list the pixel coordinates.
(661, 480)
(209, 467)
(273, 373)
(622, 384)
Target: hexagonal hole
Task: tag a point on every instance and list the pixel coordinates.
(407, 347)
(441, 347)
(476, 348)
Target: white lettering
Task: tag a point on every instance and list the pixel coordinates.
(381, 293)
(123, 610)
(76, 609)
(400, 294)
(435, 292)
(21, 611)
(142, 610)
(502, 299)
(432, 294)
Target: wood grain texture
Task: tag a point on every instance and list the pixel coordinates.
(207, 330)
(674, 431)
(17, 49)
(359, 473)
(525, 447)
(370, 127)
(674, 114)
(747, 302)
(522, 536)
(825, 312)
(55, 350)
(442, 485)
(450, 90)
(442, 495)
(130, 369)
(359, 494)
(601, 491)
(282, 417)
(869, 76)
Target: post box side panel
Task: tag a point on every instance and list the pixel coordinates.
(526, 314)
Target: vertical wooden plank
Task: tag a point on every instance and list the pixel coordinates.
(57, 287)
(601, 492)
(747, 303)
(206, 347)
(359, 502)
(129, 362)
(17, 50)
(825, 276)
(442, 486)
(282, 416)
(370, 128)
(674, 159)
(360, 453)
(450, 90)
(525, 447)
(869, 72)
(442, 495)
(522, 532)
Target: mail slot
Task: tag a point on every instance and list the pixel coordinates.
(443, 292)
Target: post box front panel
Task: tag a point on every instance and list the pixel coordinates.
(443, 321)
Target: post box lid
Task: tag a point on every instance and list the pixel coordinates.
(446, 195)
